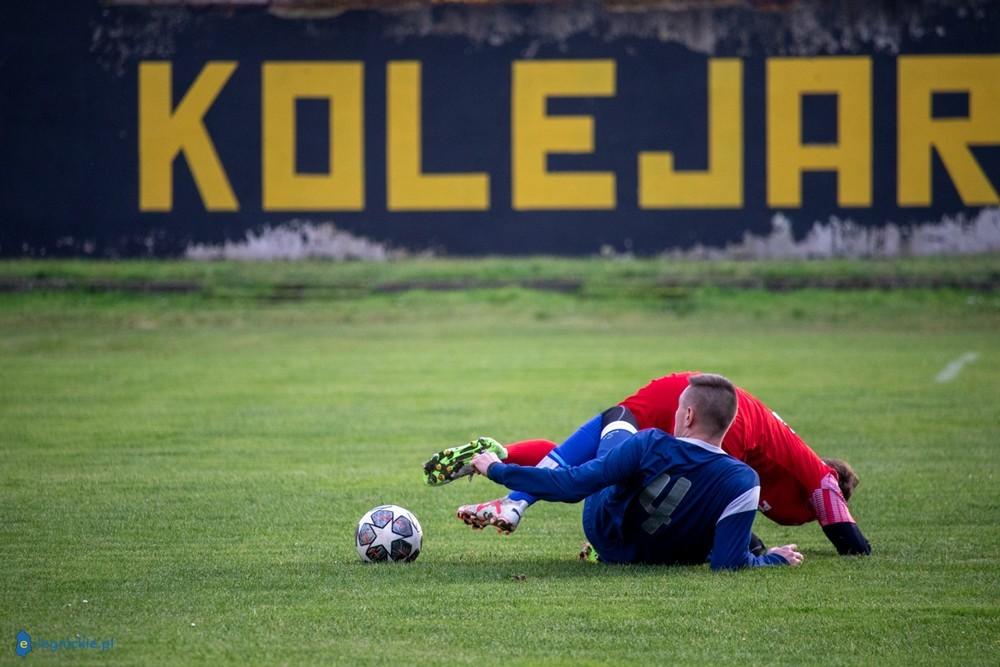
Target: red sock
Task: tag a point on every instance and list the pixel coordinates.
(528, 452)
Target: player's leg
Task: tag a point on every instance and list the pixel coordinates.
(454, 462)
(592, 440)
(586, 443)
(575, 450)
(506, 513)
(613, 434)
(528, 452)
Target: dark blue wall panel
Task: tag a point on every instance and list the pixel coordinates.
(69, 120)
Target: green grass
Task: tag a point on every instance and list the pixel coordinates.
(594, 277)
(193, 465)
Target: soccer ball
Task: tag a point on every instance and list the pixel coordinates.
(388, 533)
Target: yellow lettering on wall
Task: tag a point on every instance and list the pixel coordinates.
(536, 134)
(850, 79)
(408, 188)
(165, 132)
(920, 133)
(343, 187)
(721, 185)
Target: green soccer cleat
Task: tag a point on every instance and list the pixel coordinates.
(455, 462)
(588, 554)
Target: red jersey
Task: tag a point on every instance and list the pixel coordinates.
(790, 472)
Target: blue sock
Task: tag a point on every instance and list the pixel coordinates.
(577, 449)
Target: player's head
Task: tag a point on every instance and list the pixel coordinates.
(846, 476)
(706, 408)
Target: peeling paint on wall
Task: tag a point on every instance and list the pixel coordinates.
(805, 28)
(294, 240)
(956, 235)
(837, 238)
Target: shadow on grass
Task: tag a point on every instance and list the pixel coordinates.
(454, 569)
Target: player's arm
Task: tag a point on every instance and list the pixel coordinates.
(826, 499)
(732, 535)
(839, 526)
(848, 539)
(579, 448)
(573, 484)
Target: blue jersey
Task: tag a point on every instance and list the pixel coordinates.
(654, 498)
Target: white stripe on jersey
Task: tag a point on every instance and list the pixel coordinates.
(617, 426)
(745, 502)
(548, 462)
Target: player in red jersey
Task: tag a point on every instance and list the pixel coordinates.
(796, 486)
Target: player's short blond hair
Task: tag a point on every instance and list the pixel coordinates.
(714, 399)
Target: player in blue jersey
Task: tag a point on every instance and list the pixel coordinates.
(655, 498)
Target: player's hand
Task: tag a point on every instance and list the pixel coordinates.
(789, 552)
(482, 462)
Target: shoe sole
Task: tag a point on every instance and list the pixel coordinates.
(447, 465)
(503, 526)
(472, 519)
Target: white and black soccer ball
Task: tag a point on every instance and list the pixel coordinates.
(388, 533)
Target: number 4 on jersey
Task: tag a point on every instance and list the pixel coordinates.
(659, 515)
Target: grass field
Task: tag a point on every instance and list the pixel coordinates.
(182, 472)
